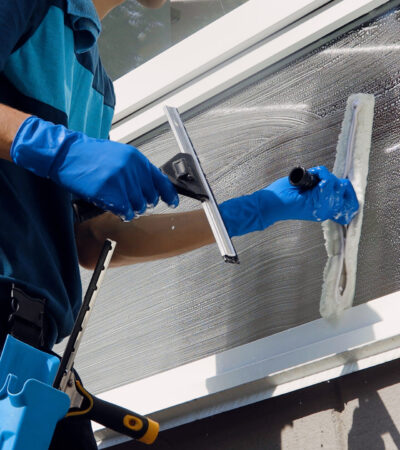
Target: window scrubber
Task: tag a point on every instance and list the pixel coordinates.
(341, 242)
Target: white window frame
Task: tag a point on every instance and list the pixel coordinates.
(180, 78)
(365, 335)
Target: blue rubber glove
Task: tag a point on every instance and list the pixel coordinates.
(332, 198)
(115, 177)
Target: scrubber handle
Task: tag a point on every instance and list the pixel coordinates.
(302, 178)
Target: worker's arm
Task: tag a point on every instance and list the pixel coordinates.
(103, 7)
(10, 120)
(152, 3)
(145, 239)
(120, 179)
(161, 236)
(113, 176)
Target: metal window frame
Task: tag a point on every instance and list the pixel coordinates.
(366, 335)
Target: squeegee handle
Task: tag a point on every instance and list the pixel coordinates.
(302, 178)
(181, 172)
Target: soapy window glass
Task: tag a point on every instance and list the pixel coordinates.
(133, 34)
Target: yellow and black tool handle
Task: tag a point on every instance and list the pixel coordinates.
(124, 421)
(116, 418)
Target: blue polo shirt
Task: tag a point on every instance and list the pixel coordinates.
(49, 67)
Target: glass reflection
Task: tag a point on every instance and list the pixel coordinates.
(133, 34)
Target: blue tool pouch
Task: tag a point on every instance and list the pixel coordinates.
(29, 406)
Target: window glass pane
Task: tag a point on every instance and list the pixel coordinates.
(155, 316)
(133, 34)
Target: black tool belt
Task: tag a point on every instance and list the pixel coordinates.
(26, 321)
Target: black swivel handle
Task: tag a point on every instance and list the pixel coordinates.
(302, 178)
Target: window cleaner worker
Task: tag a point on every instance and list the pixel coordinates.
(56, 106)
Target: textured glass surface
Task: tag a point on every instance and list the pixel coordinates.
(156, 316)
(133, 34)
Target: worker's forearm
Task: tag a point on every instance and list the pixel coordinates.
(10, 121)
(145, 239)
(154, 4)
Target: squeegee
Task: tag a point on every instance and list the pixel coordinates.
(186, 174)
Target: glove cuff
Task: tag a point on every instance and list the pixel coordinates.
(241, 215)
(37, 145)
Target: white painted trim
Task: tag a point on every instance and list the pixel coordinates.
(365, 335)
(258, 57)
(205, 49)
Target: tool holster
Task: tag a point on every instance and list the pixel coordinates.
(26, 321)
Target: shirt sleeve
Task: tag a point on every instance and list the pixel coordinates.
(15, 19)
